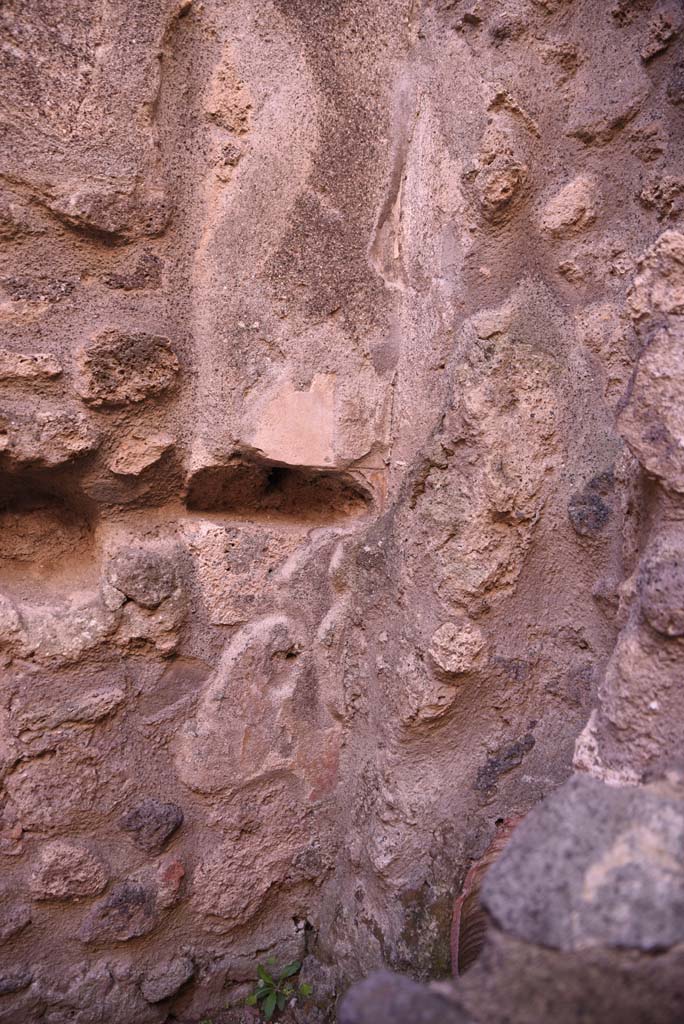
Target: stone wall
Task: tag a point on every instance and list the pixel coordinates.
(328, 440)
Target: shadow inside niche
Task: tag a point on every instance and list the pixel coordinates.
(46, 531)
(244, 486)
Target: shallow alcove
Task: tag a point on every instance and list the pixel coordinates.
(46, 534)
(245, 486)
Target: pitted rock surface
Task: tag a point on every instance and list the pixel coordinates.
(152, 823)
(143, 575)
(67, 871)
(662, 587)
(594, 866)
(120, 368)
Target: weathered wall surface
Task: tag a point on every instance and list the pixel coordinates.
(315, 503)
(576, 912)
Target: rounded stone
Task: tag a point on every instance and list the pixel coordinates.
(67, 871)
(127, 912)
(572, 210)
(455, 646)
(152, 823)
(167, 978)
(145, 576)
(588, 509)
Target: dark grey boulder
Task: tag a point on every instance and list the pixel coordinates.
(387, 998)
(593, 866)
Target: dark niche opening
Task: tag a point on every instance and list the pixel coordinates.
(245, 486)
(46, 532)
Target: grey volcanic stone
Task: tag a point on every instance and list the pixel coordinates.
(145, 576)
(103, 992)
(593, 866)
(588, 510)
(167, 978)
(147, 274)
(386, 998)
(15, 981)
(152, 824)
(514, 982)
(505, 759)
(127, 912)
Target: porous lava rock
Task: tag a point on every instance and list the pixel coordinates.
(593, 866)
(120, 368)
(152, 823)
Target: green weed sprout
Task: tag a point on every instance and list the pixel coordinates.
(274, 991)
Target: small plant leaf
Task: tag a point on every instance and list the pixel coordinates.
(290, 969)
(305, 989)
(265, 976)
(251, 1000)
(282, 1000)
(269, 1006)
